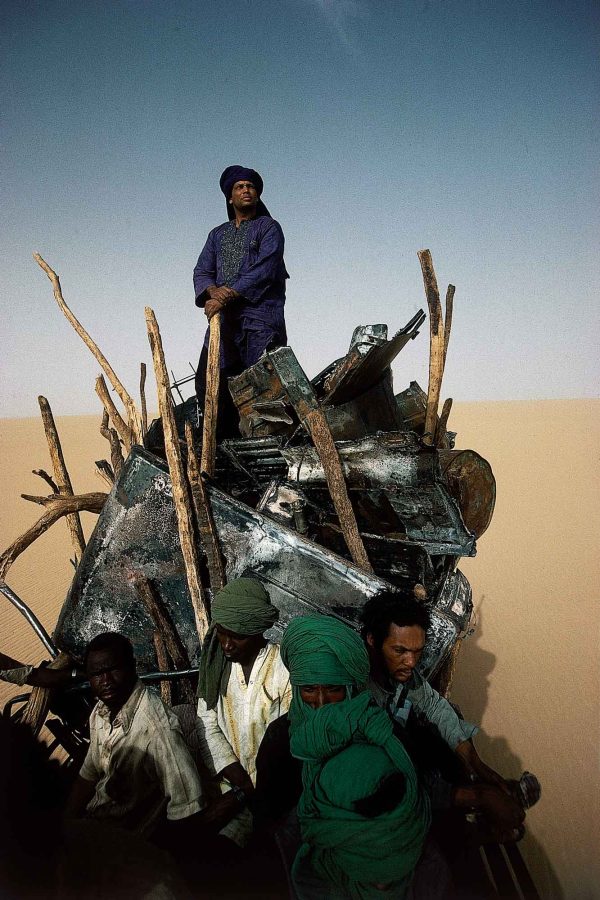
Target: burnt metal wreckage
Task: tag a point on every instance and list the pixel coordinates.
(336, 489)
(273, 512)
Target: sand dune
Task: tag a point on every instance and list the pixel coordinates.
(529, 673)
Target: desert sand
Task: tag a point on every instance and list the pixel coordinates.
(529, 673)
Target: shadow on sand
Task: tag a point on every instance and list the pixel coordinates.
(470, 690)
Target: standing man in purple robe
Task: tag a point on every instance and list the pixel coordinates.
(240, 276)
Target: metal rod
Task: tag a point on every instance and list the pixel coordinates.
(31, 618)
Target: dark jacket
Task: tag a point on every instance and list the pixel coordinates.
(262, 273)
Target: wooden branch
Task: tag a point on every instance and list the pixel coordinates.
(36, 710)
(122, 428)
(49, 481)
(436, 345)
(204, 518)
(211, 398)
(105, 471)
(159, 614)
(163, 624)
(143, 402)
(320, 432)
(162, 659)
(440, 431)
(116, 454)
(56, 507)
(181, 498)
(448, 318)
(132, 413)
(61, 476)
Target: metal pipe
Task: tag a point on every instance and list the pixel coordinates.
(31, 618)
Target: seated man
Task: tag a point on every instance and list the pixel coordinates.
(394, 629)
(138, 766)
(363, 818)
(243, 685)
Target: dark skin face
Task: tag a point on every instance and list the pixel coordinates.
(111, 678)
(244, 199)
(399, 653)
(240, 648)
(318, 695)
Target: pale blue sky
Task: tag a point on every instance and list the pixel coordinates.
(379, 128)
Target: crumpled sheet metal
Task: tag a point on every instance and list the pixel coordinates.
(137, 533)
(410, 478)
(358, 370)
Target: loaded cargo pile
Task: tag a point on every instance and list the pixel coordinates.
(336, 489)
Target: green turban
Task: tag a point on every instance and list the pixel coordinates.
(242, 606)
(322, 650)
(348, 749)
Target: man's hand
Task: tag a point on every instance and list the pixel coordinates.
(236, 775)
(502, 814)
(478, 769)
(212, 307)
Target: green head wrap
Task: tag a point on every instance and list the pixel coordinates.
(348, 748)
(242, 606)
(321, 650)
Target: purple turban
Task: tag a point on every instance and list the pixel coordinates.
(240, 173)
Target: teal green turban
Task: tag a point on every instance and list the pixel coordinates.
(322, 650)
(242, 606)
(348, 748)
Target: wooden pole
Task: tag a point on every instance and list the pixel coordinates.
(61, 476)
(211, 398)
(332, 466)
(132, 413)
(164, 626)
(302, 397)
(36, 710)
(436, 345)
(143, 402)
(448, 318)
(162, 658)
(440, 431)
(181, 497)
(204, 518)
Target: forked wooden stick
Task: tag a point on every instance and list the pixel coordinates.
(56, 507)
(439, 335)
(132, 412)
(211, 398)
